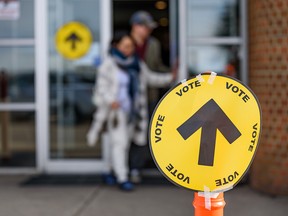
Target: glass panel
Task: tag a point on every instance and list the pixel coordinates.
(210, 18)
(23, 27)
(17, 74)
(71, 110)
(71, 82)
(220, 59)
(17, 139)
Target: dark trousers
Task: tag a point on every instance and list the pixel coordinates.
(138, 156)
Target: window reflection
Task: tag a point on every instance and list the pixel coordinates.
(18, 65)
(210, 18)
(221, 59)
(17, 136)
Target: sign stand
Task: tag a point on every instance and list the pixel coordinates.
(216, 207)
(203, 136)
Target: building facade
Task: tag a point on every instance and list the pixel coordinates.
(45, 103)
(268, 75)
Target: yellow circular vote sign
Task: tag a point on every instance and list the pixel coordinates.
(73, 40)
(204, 132)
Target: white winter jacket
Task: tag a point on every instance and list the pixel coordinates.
(106, 93)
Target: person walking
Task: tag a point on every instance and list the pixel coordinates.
(148, 49)
(120, 98)
(114, 105)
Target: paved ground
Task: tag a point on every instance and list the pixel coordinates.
(16, 200)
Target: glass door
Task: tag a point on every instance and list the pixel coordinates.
(17, 86)
(71, 82)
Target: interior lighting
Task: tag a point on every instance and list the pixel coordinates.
(161, 5)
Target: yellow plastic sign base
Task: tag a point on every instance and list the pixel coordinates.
(73, 40)
(204, 132)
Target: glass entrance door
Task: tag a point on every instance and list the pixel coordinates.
(71, 83)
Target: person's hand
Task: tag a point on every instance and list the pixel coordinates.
(115, 105)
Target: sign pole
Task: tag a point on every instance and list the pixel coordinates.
(215, 208)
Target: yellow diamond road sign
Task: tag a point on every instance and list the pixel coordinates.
(73, 40)
(204, 132)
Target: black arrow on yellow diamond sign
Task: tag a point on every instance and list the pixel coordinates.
(209, 117)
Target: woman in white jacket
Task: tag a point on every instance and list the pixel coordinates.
(121, 101)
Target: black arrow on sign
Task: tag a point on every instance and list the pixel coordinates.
(73, 37)
(210, 117)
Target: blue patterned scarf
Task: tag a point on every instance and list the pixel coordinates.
(131, 66)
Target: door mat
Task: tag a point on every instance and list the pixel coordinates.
(74, 180)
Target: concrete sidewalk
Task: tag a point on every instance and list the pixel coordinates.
(16, 200)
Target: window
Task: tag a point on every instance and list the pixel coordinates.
(214, 37)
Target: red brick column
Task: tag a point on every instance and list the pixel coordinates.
(268, 75)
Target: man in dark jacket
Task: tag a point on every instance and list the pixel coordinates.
(148, 49)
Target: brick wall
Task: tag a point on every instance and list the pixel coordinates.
(268, 75)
